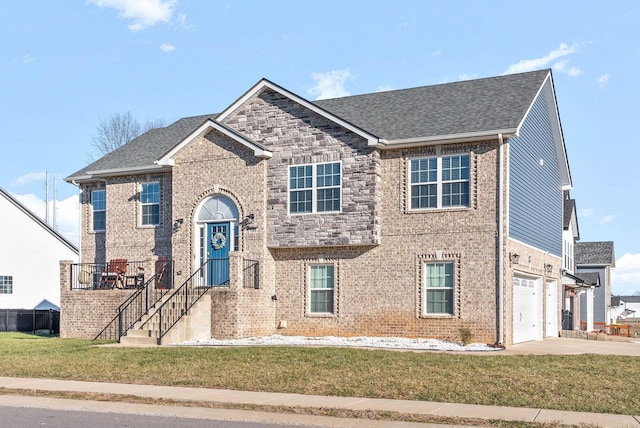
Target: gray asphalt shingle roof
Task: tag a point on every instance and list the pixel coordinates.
(148, 147)
(489, 104)
(595, 253)
(493, 103)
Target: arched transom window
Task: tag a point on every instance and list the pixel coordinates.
(218, 208)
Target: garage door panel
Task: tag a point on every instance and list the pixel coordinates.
(527, 316)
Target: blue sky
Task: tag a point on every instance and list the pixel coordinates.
(65, 65)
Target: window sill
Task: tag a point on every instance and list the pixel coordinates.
(440, 316)
(439, 210)
(320, 315)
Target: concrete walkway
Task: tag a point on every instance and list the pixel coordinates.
(565, 346)
(298, 400)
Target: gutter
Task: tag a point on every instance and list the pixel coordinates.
(501, 210)
(97, 174)
(444, 139)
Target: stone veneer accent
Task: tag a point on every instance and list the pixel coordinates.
(296, 136)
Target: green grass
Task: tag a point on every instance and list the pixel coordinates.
(587, 383)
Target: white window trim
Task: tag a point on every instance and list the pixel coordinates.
(334, 289)
(93, 210)
(314, 188)
(439, 182)
(454, 290)
(142, 204)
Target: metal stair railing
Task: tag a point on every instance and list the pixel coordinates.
(183, 298)
(133, 309)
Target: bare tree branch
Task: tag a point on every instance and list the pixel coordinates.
(118, 129)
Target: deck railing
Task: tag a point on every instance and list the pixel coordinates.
(117, 273)
(140, 302)
(251, 274)
(177, 305)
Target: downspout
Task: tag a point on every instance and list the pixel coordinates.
(500, 296)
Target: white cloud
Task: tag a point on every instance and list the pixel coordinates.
(603, 80)
(436, 53)
(143, 13)
(27, 59)
(585, 212)
(626, 275)
(384, 88)
(607, 219)
(330, 84)
(562, 66)
(166, 47)
(546, 61)
(66, 216)
(466, 76)
(30, 178)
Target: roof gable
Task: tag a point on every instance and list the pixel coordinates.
(259, 151)
(265, 84)
(37, 220)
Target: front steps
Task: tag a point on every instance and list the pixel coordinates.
(195, 324)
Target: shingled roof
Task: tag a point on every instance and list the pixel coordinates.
(595, 254)
(482, 105)
(495, 104)
(145, 149)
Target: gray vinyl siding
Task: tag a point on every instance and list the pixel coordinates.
(535, 190)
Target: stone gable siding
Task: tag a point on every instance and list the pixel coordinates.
(298, 136)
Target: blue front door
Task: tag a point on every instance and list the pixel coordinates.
(218, 242)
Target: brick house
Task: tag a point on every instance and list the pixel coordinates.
(418, 212)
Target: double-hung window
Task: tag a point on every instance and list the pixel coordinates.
(315, 188)
(99, 206)
(438, 288)
(150, 201)
(321, 286)
(440, 182)
(6, 284)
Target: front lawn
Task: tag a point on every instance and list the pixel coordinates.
(586, 383)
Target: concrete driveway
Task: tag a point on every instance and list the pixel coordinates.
(565, 346)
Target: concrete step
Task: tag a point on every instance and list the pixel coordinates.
(142, 333)
(138, 340)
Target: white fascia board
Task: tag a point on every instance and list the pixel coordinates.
(121, 171)
(264, 83)
(445, 139)
(167, 159)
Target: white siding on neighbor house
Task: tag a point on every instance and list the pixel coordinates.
(30, 253)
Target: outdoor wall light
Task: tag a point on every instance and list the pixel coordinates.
(247, 222)
(177, 223)
(514, 258)
(548, 268)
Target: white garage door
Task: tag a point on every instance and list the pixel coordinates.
(527, 310)
(551, 311)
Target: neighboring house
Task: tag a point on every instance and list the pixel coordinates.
(596, 257)
(575, 286)
(30, 257)
(420, 212)
(625, 308)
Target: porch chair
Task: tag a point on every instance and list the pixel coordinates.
(114, 274)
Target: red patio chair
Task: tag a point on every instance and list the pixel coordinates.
(114, 274)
